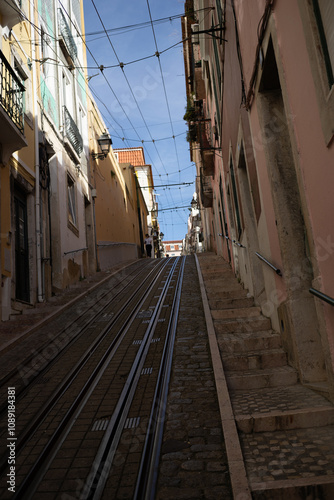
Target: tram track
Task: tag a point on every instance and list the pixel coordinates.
(25, 373)
(28, 426)
(103, 372)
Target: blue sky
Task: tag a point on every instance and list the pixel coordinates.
(137, 103)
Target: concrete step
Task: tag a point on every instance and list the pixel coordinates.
(278, 408)
(242, 325)
(245, 312)
(248, 341)
(254, 360)
(223, 286)
(231, 303)
(287, 420)
(321, 487)
(256, 379)
(226, 294)
(216, 273)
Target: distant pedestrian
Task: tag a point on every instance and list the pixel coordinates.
(148, 245)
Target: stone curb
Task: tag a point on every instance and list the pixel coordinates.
(238, 476)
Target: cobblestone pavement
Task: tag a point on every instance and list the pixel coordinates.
(193, 459)
(288, 455)
(295, 397)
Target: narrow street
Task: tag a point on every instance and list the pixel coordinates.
(231, 419)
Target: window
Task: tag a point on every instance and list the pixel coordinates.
(235, 197)
(72, 213)
(45, 52)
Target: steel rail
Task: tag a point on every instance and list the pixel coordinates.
(33, 477)
(5, 380)
(148, 470)
(70, 376)
(104, 457)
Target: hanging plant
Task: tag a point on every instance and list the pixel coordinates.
(190, 114)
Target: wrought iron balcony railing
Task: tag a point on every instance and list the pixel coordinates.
(11, 93)
(66, 39)
(72, 132)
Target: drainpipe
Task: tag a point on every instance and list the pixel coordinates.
(37, 187)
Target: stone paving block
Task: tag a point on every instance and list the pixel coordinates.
(266, 400)
(290, 453)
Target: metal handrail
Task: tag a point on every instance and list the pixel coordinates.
(75, 251)
(322, 296)
(115, 243)
(277, 271)
(233, 241)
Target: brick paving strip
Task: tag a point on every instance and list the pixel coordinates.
(235, 459)
(194, 463)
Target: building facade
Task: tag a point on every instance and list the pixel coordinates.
(64, 211)
(19, 150)
(259, 80)
(173, 248)
(143, 172)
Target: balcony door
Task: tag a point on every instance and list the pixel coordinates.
(21, 247)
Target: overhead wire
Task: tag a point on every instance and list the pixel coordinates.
(130, 88)
(163, 84)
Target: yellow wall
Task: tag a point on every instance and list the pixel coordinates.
(116, 212)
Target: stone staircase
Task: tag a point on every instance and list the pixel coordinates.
(286, 430)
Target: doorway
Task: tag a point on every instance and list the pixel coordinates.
(297, 315)
(21, 247)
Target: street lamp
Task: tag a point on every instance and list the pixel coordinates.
(104, 142)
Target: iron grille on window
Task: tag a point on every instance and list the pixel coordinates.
(72, 132)
(66, 36)
(11, 93)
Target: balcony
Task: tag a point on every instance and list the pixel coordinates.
(66, 39)
(11, 110)
(206, 190)
(73, 139)
(10, 12)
